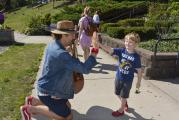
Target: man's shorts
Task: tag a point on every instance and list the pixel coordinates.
(122, 88)
(58, 106)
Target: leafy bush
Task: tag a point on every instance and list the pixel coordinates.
(73, 17)
(164, 18)
(116, 32)
(72, 9)
(107, 11)
(1, 7)
(163, 46)
(36, 26)
(105, 26)
(144, 32)
(132, 22)
(46, 20)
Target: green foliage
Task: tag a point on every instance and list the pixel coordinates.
(46, 20)
(116, 32)
(106, 10)
(19, 19)
(19, 65)
(144, 32)
(37, 24)
(131, 22)
(1, 7)
(34, 26)
(164, 46)
(72, 9)
(73, 17)
(163, 18)
(105, 26)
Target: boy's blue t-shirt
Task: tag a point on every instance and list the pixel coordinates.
(128, 62)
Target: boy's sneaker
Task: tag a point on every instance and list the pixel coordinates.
(28, 100)
(126, 107)
(117, 113)
(24, 113)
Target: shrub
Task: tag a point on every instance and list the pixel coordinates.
(144, 32)
(46, 20)
(73, 17)
(35, 26)
(116, 32)
(105, 26)
(119, 32)
(107, 11)
(163, 46)
(132, 22)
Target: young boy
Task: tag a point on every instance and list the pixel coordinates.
(129, 62)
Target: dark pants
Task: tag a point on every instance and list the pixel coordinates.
(58, 106)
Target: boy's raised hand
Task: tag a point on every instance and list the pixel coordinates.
(94, 51)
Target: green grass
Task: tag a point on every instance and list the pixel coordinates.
(18, 19)
(18, 70)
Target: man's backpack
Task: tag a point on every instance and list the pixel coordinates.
(91, 28)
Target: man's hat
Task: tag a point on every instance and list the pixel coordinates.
(63, 27)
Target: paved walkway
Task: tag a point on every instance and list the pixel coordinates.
(158, 100)
(3, 48)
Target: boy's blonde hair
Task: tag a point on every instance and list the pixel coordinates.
(133, 36)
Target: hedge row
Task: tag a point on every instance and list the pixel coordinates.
(73, 12)
(132, 22)
(144, 32)
(105, 26)
(123, 23)
(163, 46)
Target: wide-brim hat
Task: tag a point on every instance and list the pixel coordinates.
(63, 27)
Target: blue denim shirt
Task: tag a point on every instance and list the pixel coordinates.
(57, 73)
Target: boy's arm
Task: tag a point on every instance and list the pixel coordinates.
(108, 49)
(139, 78)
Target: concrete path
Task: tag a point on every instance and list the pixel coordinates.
(158, 100)
(3, 49)
(21, 38)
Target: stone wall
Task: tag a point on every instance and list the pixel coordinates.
(164, 65)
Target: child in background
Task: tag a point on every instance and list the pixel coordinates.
(129, 61)
(96, 19)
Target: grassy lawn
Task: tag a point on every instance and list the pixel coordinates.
(18, 19)
(18, 69)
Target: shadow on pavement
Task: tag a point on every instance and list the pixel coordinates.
(9, 43)
(103, 68)
(102, 113)
(135, 115)
(170, 80)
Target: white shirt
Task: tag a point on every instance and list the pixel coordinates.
(96, 19)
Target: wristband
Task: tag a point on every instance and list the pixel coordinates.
(95, 50)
